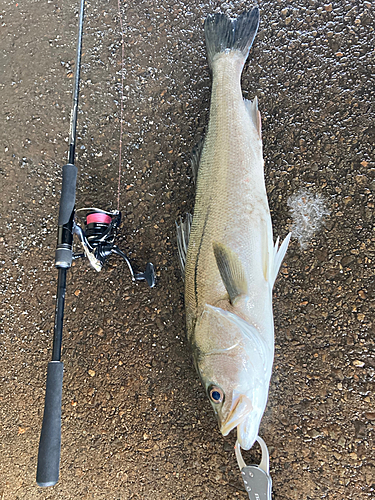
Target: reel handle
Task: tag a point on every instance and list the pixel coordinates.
(50, 439)
(148, 275)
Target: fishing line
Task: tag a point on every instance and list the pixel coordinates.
(121, 104)
(97, 238)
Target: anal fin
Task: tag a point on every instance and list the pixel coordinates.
(252, 109)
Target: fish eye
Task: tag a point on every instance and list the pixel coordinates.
(216, 394)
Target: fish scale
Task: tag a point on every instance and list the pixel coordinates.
(230, 190)
(231, 260)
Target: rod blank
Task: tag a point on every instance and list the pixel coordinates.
(50, 438)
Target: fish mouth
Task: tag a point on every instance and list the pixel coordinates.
(247, 434)
(239, 411)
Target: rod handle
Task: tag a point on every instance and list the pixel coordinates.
(64, 255)
(50, 438)
(68, 193)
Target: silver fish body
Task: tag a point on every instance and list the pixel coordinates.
(231, 261)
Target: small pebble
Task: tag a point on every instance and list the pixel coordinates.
(358, 363)
(341, 442)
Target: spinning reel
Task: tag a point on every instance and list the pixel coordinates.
(97, 240)
(97, 237)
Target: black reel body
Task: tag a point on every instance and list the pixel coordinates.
(101, 227)
(97, 236)
(97, 240)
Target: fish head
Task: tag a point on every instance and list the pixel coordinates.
(235, 366)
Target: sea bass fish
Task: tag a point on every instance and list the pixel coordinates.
(227, 249)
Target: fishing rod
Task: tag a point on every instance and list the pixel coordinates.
(97, 241)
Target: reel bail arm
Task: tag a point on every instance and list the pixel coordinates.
(97, 241)
(98, 244)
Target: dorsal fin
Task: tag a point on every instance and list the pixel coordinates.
(231, 271)
(196, 158)
(183, 233)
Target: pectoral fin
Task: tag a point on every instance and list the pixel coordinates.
(231, 271)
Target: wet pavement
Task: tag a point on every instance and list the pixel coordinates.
(136, 423)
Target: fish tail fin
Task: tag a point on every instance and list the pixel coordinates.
(223, 33)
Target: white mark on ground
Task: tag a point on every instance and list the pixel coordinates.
(308, 211)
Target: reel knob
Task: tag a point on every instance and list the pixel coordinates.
(148, 275)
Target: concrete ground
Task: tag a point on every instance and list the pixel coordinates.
(136, 423)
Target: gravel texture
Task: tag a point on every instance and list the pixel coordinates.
(136, 423)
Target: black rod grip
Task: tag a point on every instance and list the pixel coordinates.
(68, 193)
(50, 439)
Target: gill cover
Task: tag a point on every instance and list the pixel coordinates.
(234, 357)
